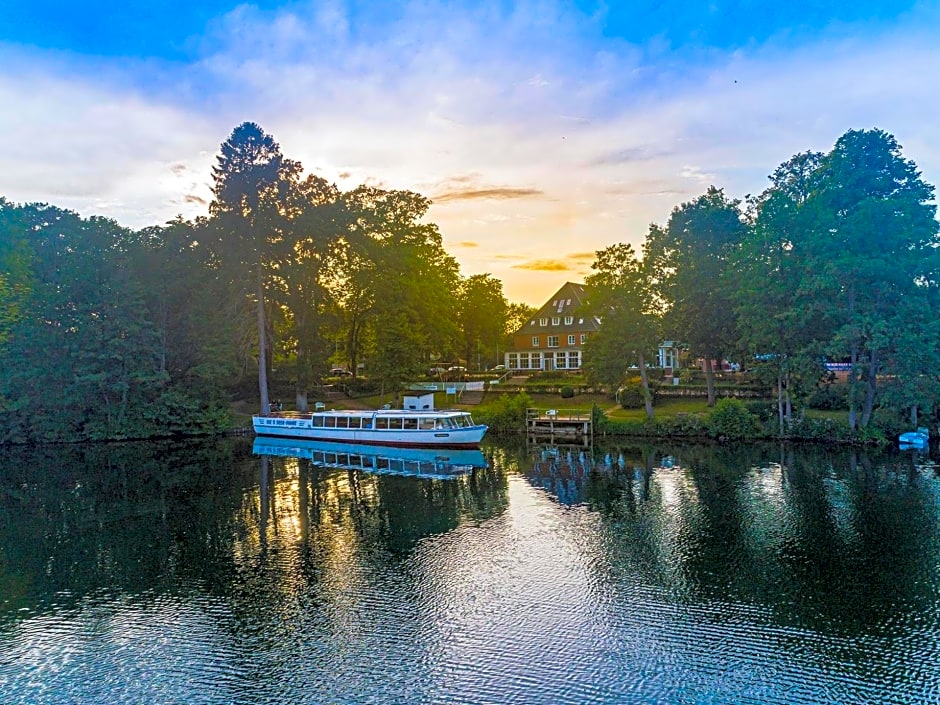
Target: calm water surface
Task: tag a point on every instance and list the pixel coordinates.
(200, 572)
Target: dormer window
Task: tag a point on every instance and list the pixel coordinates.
(569, 320)
(556, 320)
(543, 321)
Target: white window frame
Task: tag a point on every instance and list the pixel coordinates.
(553, 341)
(535, 341)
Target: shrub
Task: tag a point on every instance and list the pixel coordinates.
(731, 419)
(631, 396)
(763, 410)
(829, 397)
(567, 392)
(506, 414)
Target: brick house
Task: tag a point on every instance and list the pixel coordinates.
(554, 337)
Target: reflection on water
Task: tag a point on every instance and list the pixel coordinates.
(205, 572)
(438, 463)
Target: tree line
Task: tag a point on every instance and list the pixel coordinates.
(836, 261)
(108, 332)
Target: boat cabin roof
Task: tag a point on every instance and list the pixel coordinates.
(392, 412)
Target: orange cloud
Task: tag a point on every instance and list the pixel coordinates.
(499, 193)
(467, 243)
(545, 265)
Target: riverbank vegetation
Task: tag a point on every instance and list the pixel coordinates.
(108, 332)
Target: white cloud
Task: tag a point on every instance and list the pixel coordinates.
(614, 135)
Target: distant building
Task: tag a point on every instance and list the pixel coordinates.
(667, 356)
(553, 339)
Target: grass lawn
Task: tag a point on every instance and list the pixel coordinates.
(663, 409)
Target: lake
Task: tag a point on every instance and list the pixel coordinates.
(203, 572)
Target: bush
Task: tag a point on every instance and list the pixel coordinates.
(731, 419)
(763, 410)
(631, 396)
(567, 392)
(829, 398)
(361, 387)
(506, 414)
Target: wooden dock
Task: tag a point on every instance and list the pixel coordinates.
(563, 423)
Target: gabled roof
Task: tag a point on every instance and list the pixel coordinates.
(568, 301)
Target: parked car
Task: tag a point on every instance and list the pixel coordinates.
(435, 371)
(456, 368)
(340, 372)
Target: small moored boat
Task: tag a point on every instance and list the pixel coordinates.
(390, 427)
(915, 439)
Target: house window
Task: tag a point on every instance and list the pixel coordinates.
(574, 360)
(523, 361)
(536, 361)
(569, 302)
(513, 361)
(556, 320)
(569, 320)
(561, 361)
(553, 341)
(570, 340)
(583, 338)
(543, 321)
(535, 341)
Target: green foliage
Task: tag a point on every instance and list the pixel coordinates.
(829, 397)
(620, 292)
(631, 394)
(505, 414)
(567, 392)
(731, 419)
(481, 314)
(762, 410)
(692, 260)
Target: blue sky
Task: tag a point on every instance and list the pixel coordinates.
(542, 130)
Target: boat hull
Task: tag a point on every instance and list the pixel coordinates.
(915, 440)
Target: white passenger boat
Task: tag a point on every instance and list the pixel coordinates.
(438, 463)
(389, 427)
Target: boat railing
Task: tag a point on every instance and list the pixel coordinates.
(557, 414)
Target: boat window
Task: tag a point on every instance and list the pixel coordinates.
(367, 423)
(330, 422)
(316, 421)
(425, 424)
(381, 422)
(411, 424)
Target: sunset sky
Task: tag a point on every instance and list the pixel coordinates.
(543, 131)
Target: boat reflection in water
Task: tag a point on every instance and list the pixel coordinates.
(437, 463)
